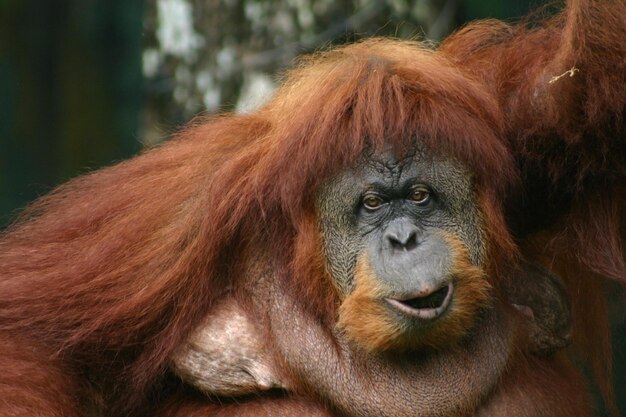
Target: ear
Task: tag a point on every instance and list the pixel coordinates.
(541, 296)
(227, 355)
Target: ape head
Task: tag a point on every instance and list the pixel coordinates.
(405, 247)
(387, 186)
(403, 163)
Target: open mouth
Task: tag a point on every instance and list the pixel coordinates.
(425, 307)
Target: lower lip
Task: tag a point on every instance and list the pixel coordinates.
(423, 313)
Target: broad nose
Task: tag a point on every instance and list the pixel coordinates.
(401, 235)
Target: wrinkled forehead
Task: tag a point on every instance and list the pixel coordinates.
(417, 165)
(438, 171)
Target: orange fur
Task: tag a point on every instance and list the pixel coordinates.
(539, 387)
(590, 321)
(312, 280)
(567, 135)
(111, 272)
(363, 315)
(252, 406)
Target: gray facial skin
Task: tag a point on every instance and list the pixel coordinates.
(402, 236)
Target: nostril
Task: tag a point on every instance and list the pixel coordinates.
(395, 243)
(404, 243)
(411, 242)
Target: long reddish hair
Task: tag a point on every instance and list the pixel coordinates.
(115, 268)
(561, 81)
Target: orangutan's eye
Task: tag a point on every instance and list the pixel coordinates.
(372, 201)
(420, 196)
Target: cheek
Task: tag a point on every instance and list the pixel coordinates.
(472, 294)
(473, 234)
(341, 249)
(467, 224)
(363, 316)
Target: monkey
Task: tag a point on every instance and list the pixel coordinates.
(360, 217)
(232, 359)
(561, 85)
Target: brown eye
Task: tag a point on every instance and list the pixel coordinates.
(372, 201)
(420, 196)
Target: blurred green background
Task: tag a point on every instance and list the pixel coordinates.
(84, 83)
